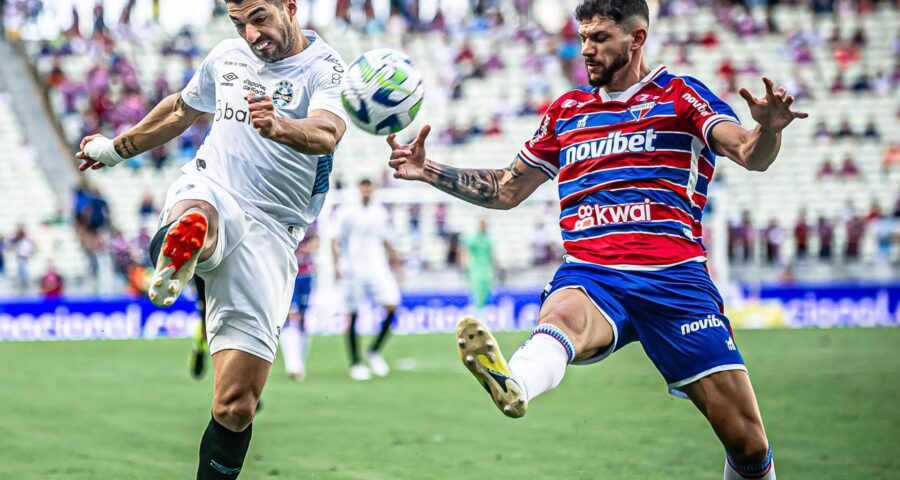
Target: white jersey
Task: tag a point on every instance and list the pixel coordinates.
(362, 231)
(264, 176)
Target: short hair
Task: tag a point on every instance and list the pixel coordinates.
(365, 183)
(620, 11)
(238, 2)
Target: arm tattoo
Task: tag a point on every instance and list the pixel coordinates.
(126, 148)
(179, 104)
(477, 186)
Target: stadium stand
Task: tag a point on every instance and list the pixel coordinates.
(498, 79)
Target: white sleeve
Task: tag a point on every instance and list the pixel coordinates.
(200, 92)
(326, 87)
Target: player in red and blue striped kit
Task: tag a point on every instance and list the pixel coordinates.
(633, 157)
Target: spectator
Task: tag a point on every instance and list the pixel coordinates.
(494, 127)
(745, 236)
(838, 84)
(120, 250)
(801, 236)
(859, 37)
(871, 131)
(773, 234)
(891, 156)
(2, 256)
(682, 58)
(826, 170)
(884, 229)
(51, 283)
(821, 132)
(874, 212)
(24, 248)
(146, 208)
(440, 220)
(849, 170)
(856, 228)
(825, 232)
(728, 74)
(415, 217)
(845, 131)
(709, 39)
(863, 83)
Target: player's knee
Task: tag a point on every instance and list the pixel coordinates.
(749, 447)
(235, 413)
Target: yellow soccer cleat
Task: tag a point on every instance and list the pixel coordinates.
(479, 352)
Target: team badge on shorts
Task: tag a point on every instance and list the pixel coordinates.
(284, 93)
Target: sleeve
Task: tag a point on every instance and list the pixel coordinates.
(542, 151)
(702, 109)
(326, 87)
(200, 92)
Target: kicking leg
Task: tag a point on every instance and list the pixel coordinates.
(727, 400)
(570, 328)
(190, 236)
(239, 380)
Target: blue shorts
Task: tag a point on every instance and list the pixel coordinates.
(302, 289)
(675, 313)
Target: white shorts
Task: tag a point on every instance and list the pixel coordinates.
(378, 285)
(249, 278)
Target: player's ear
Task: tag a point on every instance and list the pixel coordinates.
(291, 6)
(639, 37)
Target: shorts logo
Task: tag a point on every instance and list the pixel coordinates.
(709, 322)
(284, 94)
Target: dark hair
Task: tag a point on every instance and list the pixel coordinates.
(238, 2)
(365, 183)
(620, 11)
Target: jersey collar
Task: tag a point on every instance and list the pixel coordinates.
(632, 90)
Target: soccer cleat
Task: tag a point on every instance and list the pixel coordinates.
(176, 262)
(378, 365)
(480, 354)
(360, 372)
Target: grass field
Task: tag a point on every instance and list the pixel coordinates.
(128, 410)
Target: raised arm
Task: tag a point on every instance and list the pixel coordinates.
(169, 119)
(492, 188)
(756, 149)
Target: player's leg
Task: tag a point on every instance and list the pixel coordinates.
(292, 336)
(727, 400)
(386, 293)
(190, 235)
(570, 328)
(239, 378)
(354, 294)
(199, 348)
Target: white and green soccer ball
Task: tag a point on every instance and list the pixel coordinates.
(382, 91)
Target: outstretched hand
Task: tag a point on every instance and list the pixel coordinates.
(773, 111)
(408, 161)
(86, 161)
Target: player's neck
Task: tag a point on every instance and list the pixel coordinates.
(300, 43)
(633, 73)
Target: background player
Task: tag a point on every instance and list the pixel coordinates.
(295, 340)
(478, 264)
(242, 205)
(362, 244)
(634, 156)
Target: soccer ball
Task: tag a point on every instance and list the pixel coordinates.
(382, 91)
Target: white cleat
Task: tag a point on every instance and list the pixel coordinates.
(360, 372)
(378, 365)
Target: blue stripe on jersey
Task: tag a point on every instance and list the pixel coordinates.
(665, 227)
(678, 176)
(603, 119)
(323, 172)
(630, 196)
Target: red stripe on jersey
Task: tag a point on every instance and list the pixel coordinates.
(634, 249)
(655, 184)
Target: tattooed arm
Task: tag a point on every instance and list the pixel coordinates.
(169, 119)
(500, 189)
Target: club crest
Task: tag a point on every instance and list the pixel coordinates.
(284, 94)
(639, 111)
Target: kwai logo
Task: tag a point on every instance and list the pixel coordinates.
(597, 215)
(613, 143)
(708, 322)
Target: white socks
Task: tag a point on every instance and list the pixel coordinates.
(762, 471)
(540, 363)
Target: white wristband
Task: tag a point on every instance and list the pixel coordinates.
(101, 149)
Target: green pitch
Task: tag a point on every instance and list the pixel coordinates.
(128, 410)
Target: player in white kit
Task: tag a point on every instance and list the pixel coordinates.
(242, 205)
(363, 242)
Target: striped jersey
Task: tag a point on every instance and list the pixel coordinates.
(633, 171)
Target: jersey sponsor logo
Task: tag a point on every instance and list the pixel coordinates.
(701, 106)
(711, 321)
(255, 87)
(594, 215)
(572, 103)
(612, 144)
(338, 70)
(284, 94)
(541, 131)
(227, 112)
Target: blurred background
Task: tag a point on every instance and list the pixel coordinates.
(820, 226)
(813, 242)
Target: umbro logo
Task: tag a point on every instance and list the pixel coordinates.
(229, 77)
